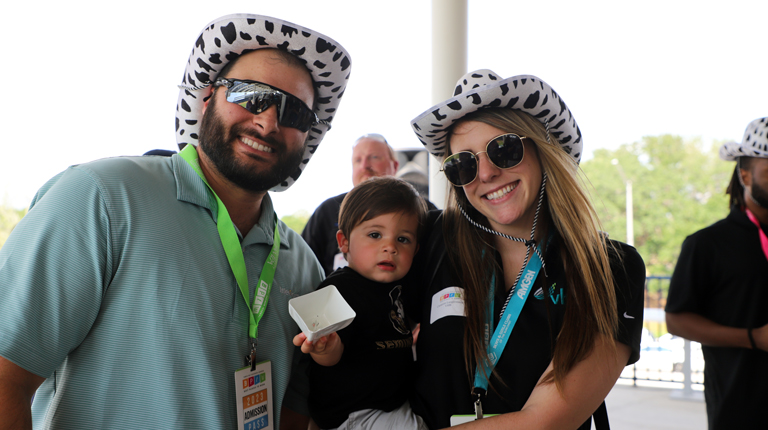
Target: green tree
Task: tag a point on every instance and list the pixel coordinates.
(9, 217)
(296, 221)
(678, 188)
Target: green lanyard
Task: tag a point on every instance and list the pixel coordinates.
(234, 251)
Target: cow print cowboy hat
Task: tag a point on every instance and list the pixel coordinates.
(226, 38)
(484, 89)
(753, 144)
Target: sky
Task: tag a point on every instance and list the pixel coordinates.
(85, 80)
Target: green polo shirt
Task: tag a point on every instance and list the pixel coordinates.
(117, 290)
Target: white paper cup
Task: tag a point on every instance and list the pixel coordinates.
(321, 313)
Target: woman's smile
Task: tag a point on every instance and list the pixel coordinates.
(498, 194)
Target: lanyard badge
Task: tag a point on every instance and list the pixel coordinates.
(254, 397)
(253, 383)
(501, 334)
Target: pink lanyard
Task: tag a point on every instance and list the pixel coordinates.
(763, 238)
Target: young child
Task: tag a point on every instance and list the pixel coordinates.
(360, 376)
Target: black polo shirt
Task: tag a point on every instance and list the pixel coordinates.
(722, 275)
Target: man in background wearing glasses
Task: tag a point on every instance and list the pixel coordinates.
(137, 290)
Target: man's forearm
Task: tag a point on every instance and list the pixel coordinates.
(705, 331)
(14, 413)
(17, 386)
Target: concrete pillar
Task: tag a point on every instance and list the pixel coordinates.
(449, 63)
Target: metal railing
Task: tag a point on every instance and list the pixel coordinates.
(665, 358)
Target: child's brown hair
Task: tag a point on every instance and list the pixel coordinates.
(380, 196)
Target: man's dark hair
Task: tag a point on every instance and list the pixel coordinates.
(285, 56)
(380, 196)
(279, 55)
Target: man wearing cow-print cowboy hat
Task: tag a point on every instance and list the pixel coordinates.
(152, 292)
(718, 294)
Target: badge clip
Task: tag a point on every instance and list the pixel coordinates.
(250, 360)
(479, 392)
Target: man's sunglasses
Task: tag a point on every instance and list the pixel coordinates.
(257, 97)
(505, 151)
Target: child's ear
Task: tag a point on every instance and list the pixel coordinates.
(342, 241)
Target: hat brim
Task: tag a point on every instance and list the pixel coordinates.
(226, 38)
(753, 144)
(731, 151)
(523, 92)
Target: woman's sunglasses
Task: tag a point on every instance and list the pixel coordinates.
(505, 151)
(257, 97)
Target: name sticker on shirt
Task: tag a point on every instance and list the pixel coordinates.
(254, 397)
(448, 302)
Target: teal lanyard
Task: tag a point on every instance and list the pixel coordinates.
(507, 322)
(234, 251)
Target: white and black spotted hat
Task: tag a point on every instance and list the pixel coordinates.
(753, 144)
(484, 89)
(228, 37)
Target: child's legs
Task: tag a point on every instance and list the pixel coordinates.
(374, 419)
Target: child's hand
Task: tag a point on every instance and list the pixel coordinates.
(325, 351)
(299, 339)
(318, 346)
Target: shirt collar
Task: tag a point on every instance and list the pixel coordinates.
(264, 230)
(191, 189)
(738, 216)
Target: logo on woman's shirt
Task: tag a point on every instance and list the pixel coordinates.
(557, 295)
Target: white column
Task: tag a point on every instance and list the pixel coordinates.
(630, 216)
(449, 63)
(630, 208)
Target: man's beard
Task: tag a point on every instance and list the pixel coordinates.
(759, 194)
(219, 146)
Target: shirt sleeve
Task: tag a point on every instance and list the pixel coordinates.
(629, 275)
(53, 272)
(682, 296)
(297, 392)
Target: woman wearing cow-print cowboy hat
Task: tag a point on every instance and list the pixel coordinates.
(527, 310)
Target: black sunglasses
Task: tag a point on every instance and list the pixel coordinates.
(257, 97)
(505, 151)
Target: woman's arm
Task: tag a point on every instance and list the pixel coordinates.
(584, 388)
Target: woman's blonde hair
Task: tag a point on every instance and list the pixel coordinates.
(591, 305)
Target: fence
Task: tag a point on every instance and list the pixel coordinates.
(664, 358)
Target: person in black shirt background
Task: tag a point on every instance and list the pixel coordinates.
(718, 294)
